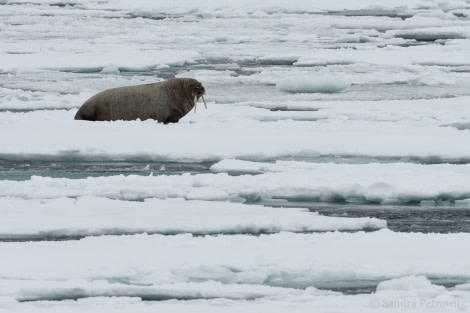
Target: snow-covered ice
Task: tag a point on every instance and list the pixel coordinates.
(311, 104)
(66, 217)
(319, 260)
(144, 266)
(363, 183)
(321, 83)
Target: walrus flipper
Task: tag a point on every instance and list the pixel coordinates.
(172, 119)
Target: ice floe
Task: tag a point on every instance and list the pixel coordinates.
(64, 218)
(395, 183)
(306, 84)
(304, 261)
(369, 129)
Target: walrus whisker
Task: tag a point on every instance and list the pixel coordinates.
(195, 103)
(205, 103)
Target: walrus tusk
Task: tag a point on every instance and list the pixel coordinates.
(205, 103)
(195, 103)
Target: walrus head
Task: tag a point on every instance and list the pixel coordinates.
(197, 91)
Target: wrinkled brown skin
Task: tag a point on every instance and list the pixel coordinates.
(166, 102)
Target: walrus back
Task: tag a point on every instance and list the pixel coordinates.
(124, 103)
(165, 102)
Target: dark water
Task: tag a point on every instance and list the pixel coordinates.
(442, 218)
(425, 219)
(24, 169)
(369, 286)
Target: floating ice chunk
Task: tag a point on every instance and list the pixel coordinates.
(409, 283)
(417, 292)
(110, 70)
(313, 84)
(278, 59)
(324, 61)
(463, 287)
(233, 166)
(62, 218)
(365, 183)
(93, 61)
(78, 289)
(241, 259)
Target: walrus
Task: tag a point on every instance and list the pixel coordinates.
(166, 102)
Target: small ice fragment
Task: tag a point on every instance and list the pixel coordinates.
(313, 84)
(110, 70)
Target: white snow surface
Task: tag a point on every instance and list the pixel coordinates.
(320, 102)
(90, 215)
(434, 128)
(306, 84)
(151, 263)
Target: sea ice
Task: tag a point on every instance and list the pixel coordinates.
(70, 218)
(395, 183)
(313, 101)
(321, 83)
